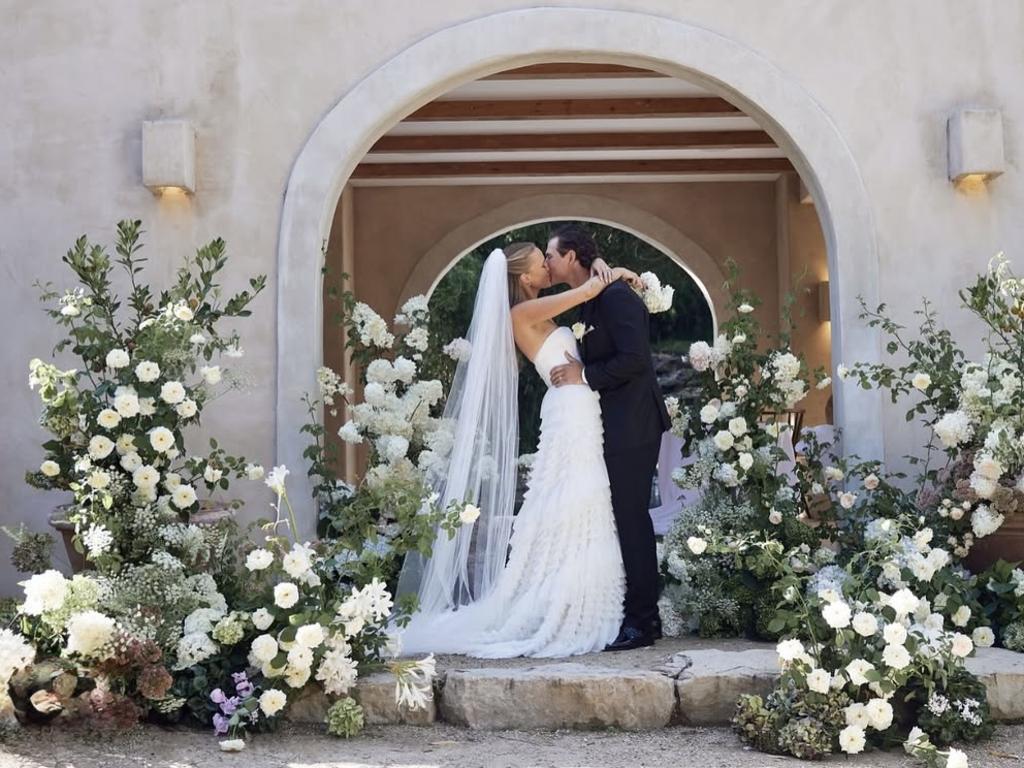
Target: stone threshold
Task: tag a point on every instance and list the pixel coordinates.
(678, 682)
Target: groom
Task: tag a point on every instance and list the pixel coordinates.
(617, 364)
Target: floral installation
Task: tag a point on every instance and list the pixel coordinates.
(372, 526)
(973, 409)
(118, 419)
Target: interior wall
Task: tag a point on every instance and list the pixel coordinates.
(807, 268)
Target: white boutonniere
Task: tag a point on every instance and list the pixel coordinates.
(579, 330)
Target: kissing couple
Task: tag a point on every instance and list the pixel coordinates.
(576, 570)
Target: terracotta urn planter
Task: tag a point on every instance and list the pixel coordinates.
(1007, 543)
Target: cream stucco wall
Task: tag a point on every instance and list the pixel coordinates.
(257, 78)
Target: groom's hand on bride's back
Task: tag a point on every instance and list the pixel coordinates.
(568, 373)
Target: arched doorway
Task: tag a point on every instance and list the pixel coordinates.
(492, 43)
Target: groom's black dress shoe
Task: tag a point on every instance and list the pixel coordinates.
(630, 638)
(655, 630)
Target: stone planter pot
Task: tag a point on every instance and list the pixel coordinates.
(1007, 543)
(210, 513)
(66, 529)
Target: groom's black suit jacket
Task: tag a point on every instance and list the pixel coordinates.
(617, 364)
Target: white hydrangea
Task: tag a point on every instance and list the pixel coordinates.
(954, 429)
(15, 654)
(44, 592)
(458, 350)
(985, 520)
(89, 633)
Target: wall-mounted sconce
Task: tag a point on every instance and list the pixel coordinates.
(169, 155)
(975, 138)
(824, 303)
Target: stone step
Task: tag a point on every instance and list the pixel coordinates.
(698, 686)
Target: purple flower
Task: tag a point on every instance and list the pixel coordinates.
(245, 689)
(220, 724)
(229, 706)
(217, 696)
(239, 677)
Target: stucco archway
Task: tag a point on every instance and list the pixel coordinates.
(490, 44)
(440, 257)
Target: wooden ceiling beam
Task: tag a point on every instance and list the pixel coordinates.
(572, 167)
(540, 141)
(541, 109)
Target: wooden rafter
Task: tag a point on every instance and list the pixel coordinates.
(572, 167)
(540, 109)
(540, 141)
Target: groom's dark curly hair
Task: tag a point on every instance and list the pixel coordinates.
(573, 237)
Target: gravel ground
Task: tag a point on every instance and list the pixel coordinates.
(410, 747)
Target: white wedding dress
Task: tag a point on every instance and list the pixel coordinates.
(561, 591)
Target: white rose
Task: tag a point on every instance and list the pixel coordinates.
(211, 374)
(309, 635)
(775, 517)
(904, 602)
(117, 358)
(847, 500)
(145, 476)
(272, 701)
(172, 392)
(162, 439)
(956, 758)
(147, 406)
(895, 634)
(864, 624)
(961, 616)
(108, 418)
(746, 461)
(851, 739)
(254, 471)
(961, 646)
(127, 405)
(182, 312)
(100, 447)
(286, 595)
(469, 514)
(262, 619)
(147, 371)
(709, 413)
(983, 637)
(259, 559)
(790, 650)
(738, 426)
(857, 714)
(696, 545)
(837, 614)
(818, 680)
(187, 408)
(171, 481)
(921, 381)
(184, 496)
(724, 440)
(858, 669)
(896, 656)
(264, 648)
(98, 479)
(871, 481)
(880, 713)
(50, 468)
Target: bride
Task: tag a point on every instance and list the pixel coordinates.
(549, 581)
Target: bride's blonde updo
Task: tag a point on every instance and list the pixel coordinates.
(517, 259)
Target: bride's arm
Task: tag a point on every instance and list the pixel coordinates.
(547, 307)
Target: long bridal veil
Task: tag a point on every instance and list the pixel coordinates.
(483, 411)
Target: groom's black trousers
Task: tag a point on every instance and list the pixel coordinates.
(629, 473)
